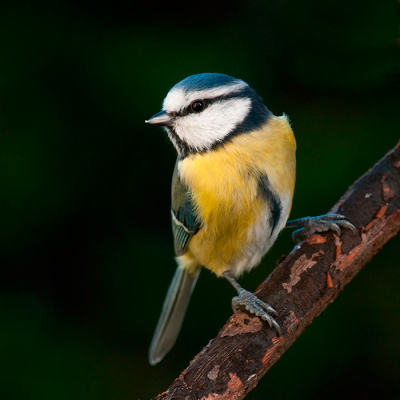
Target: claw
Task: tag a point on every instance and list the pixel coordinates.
(265, 318)
(256, 306)
(252, 303)
(349, 225)
(335, 227)
(322, 223)
(265, 306)
(333, 216)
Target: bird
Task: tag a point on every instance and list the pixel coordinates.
(232, 192)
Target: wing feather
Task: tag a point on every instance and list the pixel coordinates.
(185, 223)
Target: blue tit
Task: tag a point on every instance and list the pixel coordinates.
(232, 191)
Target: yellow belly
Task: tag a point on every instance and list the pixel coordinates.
(224, 239)
(225, 187)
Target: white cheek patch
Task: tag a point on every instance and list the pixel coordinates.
(200, 131)
(177, 99)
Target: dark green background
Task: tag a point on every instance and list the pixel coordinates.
(86, 245)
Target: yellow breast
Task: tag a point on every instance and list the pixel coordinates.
(225, 187)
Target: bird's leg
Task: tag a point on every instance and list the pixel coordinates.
(251, 303)
(322, 223)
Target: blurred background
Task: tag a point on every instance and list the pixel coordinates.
(86, 251)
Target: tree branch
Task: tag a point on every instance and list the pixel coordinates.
(299, 288)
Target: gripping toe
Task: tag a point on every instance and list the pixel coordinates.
(322, 223)
(255, 306)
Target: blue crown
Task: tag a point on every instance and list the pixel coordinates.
(205, 81)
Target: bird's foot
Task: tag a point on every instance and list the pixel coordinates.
(257, 307)
(322, 223)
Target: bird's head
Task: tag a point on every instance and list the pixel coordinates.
(204, 110)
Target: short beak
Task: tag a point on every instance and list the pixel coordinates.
(161, 118)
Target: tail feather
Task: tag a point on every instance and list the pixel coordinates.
(172, 314)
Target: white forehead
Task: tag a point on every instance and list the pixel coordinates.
(178, 98)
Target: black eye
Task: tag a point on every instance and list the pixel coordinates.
(197, 106)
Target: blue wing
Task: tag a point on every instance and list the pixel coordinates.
(185, 223)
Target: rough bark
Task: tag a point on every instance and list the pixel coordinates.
(299, 288)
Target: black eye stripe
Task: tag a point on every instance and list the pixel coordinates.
(188, 109)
